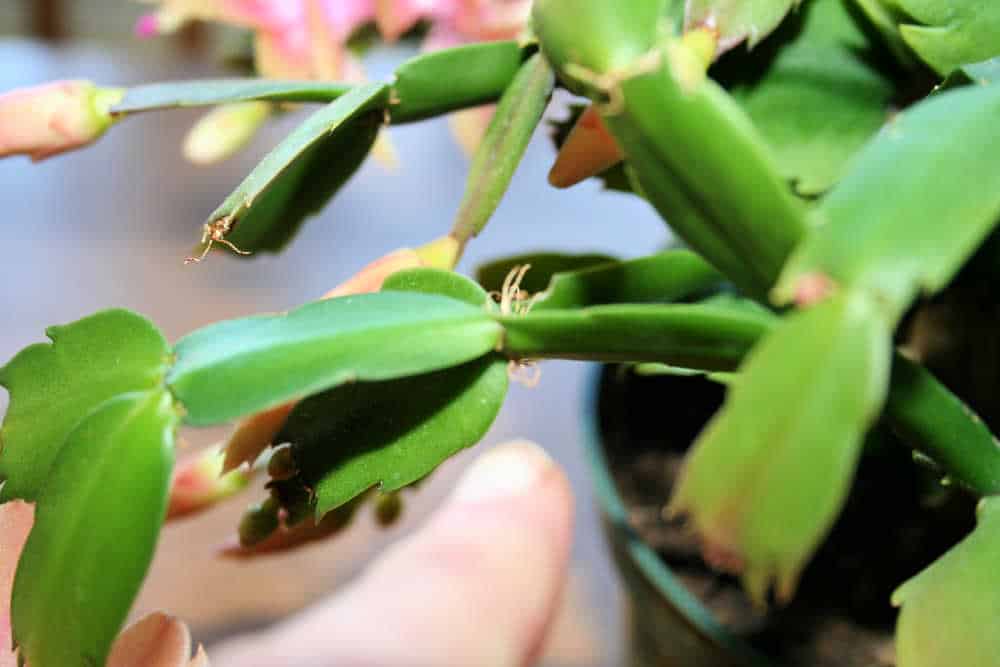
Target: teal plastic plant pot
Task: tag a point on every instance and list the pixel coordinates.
(667, 625)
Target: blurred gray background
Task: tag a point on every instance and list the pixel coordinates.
(109, 226)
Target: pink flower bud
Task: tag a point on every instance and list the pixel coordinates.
(199, 483)
(441, 253)
(370, 278)
(54, 117)
(588, 150)
(253, 435)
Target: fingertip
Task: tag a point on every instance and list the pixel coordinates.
(478, 585)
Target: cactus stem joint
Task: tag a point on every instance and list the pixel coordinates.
(610, 83)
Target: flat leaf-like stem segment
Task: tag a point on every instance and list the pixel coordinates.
(935, 421)
(210, 92)
(437, 281)
(707, 336)
(952, 33)
(53, 386)
(737, 20)
(391, 433)
(436, 83)
(918, 238)
(597, 35)
(506, 139)
(769, 474)
(816, 91)
(949, 610)
(428, 85)
(96, 526)
(297, 178)
(239, 367)
(707, 171)
(673, 275)
(709, 174)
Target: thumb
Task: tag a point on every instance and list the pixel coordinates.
(478, 585)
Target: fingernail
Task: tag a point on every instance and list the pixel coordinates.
(509, 470)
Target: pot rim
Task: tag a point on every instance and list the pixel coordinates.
(645, 559)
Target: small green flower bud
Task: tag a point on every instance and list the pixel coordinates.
(282, 466)
(258, 522)
(388, 508)
(294, 499)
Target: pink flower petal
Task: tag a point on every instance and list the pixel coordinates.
(147, 26)
(343, 17)
(282, 55)
(199, 483)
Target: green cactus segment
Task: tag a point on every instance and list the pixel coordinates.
(506, 139)
(307, 186)
(737, 20)
(212, 92)
(297, 178)
(96, 526)
(238, 367)
(821, 96)
(898, 246)
(949, 34)
(709, 175)
(392, 433)
(437, 281)
(442, 81)
(707, 171)
(934, 421)
(53, 386)
(949, 611)
(768, 476)
(664, 277)
(706, 336)
(597, 35)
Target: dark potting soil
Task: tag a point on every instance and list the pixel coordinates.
(897, 521)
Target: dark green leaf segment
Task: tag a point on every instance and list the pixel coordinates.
(395, 382)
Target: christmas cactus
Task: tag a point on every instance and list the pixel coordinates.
(830, 167)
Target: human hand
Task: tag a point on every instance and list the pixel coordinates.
(477, 586)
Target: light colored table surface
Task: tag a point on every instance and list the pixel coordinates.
(109, 226)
